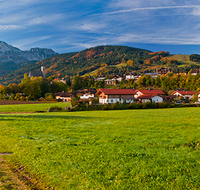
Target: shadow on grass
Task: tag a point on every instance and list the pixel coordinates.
(42, 117)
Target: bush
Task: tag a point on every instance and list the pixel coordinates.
(49, 96)
(54, 109)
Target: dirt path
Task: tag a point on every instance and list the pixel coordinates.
(9, 180)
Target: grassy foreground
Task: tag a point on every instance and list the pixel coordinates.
(129, 149)
(30, 107)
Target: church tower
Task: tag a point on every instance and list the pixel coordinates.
(43, 69)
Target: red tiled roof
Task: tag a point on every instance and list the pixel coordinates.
(184, 92)
(147, 96)
(151, 92)
(58, 93)
(63, 94)
(117, 91)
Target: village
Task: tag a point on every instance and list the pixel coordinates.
(110, 96)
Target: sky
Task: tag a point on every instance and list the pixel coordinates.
(70, 26)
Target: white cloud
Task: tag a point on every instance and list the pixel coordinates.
(91, 27)
(158, 39)
(153, 8)
(196, 11)
(45, 19)
(10, 27)
(29, 42)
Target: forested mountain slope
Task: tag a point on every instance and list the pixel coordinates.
(106, 60)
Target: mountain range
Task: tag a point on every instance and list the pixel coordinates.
(100, 60)
(9, 53)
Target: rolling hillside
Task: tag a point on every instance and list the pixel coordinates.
(106, 60)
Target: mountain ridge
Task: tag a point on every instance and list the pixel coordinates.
(100, 60)
(9, 53)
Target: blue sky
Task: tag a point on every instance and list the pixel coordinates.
(68, 26)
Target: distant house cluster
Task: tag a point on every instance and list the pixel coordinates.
(129, 76)
(110, 96)
(84, 94)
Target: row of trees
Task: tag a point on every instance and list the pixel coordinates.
(166, 82)
(32, 88)
(36, 87)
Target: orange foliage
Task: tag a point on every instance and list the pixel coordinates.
(168, 60)
(152, 60)
(158, 52)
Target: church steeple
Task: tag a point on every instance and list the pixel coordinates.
(43, 68)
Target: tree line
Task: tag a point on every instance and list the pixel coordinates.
(36, 87)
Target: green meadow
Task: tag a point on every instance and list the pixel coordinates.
(31, 107)
(129, 149)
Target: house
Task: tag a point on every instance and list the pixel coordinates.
(114, 80)
(110, 81)
(133, 76)
(151, 97)
(87, 94)
(153, 75)
(109, 96)
(139, 93)
(118, 78)
(163, 71)
(100, 78)
(183, 94)
(63, 80)
(64, 96)
(195, 71)
(198, 96)
(38, 73)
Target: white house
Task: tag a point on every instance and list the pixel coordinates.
(184, 94)
(199, 96)
(132, 76)
(139, 93)
(87, 94)
(64, 96)
(101, 78)
(153, 75)
(151, 98)
(110, 96)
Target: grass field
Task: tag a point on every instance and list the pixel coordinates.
(184, 59)
(129, 149)
(30, 107)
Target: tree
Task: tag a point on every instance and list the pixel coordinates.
(77, 83)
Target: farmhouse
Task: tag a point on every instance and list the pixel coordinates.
(153, 75)
(64, 96)
(109, 96)
(110, 81)
(100, 78)
(139, 93)
(87, 94)
(150, 97)
(195, 71)
(163, 71)
(183, 94)
(199, 96)
(132, 76)
(63, 80)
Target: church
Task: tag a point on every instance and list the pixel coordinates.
(38, 73)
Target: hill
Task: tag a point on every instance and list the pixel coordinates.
(86, 61)
(102, 60)
(184, 60)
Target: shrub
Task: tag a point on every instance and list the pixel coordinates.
(54, 109)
